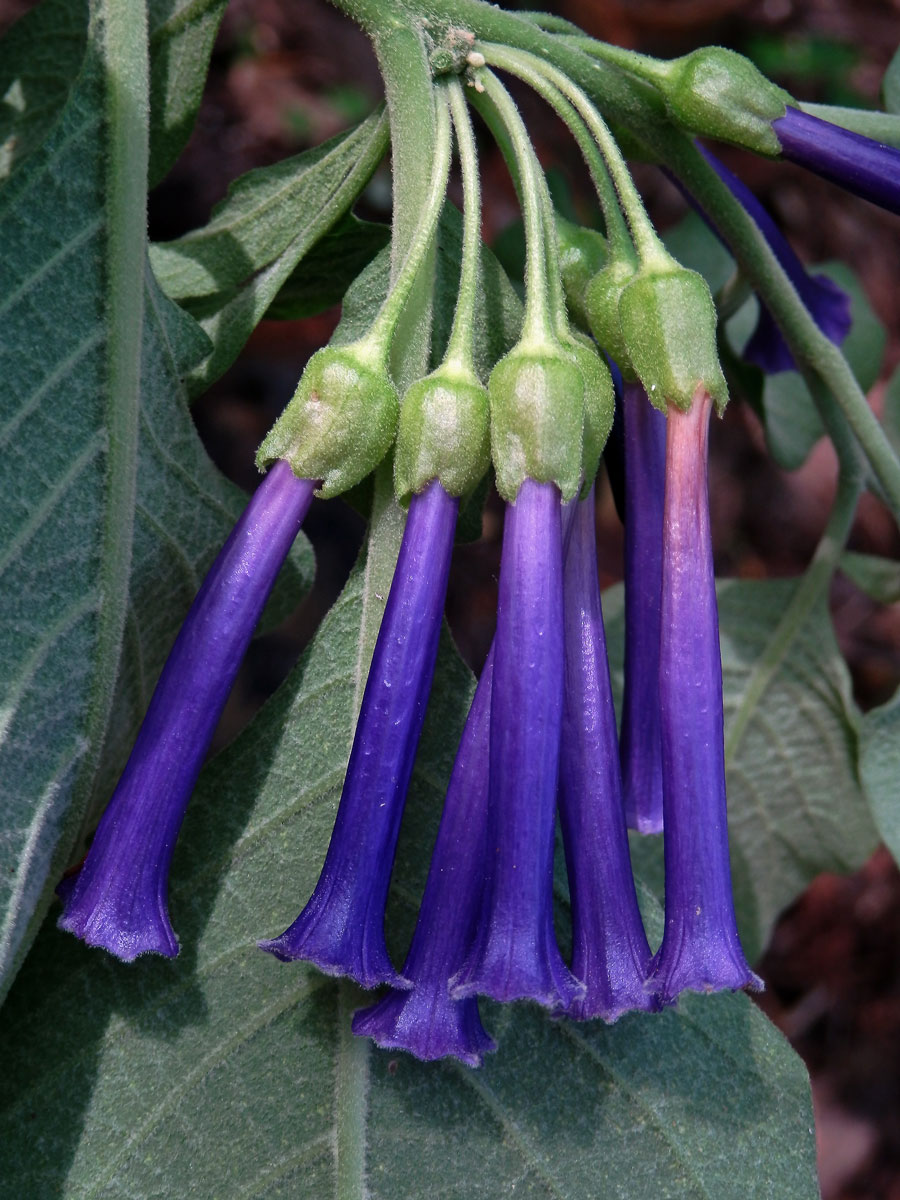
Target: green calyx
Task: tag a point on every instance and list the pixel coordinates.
(537, 419)
(601, 301)
(720, 94)
(582, 253)
(341, 421)
(599, 406)
(444, 434)
(668, 322)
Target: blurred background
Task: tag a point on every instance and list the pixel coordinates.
(287, 75)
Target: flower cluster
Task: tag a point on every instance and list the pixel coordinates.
(541, 741)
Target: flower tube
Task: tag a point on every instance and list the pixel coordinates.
(515, 955)
(610, 954)
(858, 164)
(700, 949)
(828, 304)
(341, 928)
(640, 748)
(118, 898)
(426, 1021)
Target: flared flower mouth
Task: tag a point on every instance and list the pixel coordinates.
(118, 898)
(426, 1020)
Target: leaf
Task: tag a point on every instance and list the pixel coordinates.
(322, 276)
(878, 577)
(890, 85)
(793, 425)
(40, 56)
(182, 33)
(112, 511)
(795, 805)
(227, 1073)
(879, 768)
(228, 273)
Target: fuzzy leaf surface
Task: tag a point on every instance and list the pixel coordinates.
(228, 1073)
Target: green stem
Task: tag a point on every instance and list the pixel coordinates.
(537, 328)
(649, 247)
(620, 242)
(882, 127)
(812, 587)
(460, 348)
(642, 66)
(409, 92)
(381, 331)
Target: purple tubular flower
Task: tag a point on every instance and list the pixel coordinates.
(640, 746)
(856, 163)
(515, 955)
(700, 949)
(610, 952)
(118, 899)
(828, 304)
(341, 929)
(426, 1021)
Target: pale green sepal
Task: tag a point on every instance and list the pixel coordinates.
(669, 325)
(537, 420)
(444, 434)
(340, 423)
(720, 94)
(599, 407)
(601, 299)
(582, 253)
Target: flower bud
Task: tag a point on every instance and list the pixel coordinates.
(582, 253)
(720, 94)
(340, 423)
(444, 434)
(537, 418)
(669, 326)
(601, 301)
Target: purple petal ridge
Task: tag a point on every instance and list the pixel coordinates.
(515, 955)
(118, 899)
(426, 1021)
(640, 745)
(341, 929)
(856, 163)
(610, 954)
(700, 949)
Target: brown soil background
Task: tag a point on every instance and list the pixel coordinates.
(287, 75)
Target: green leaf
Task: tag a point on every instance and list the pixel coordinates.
(793, 425)
(112, 511)
(878, 577)
(323, 275)
(228, 273)
(182, 33)
(890, 85)
(879, 768)
(227, 1074)
(795, 804)
(40, 57)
